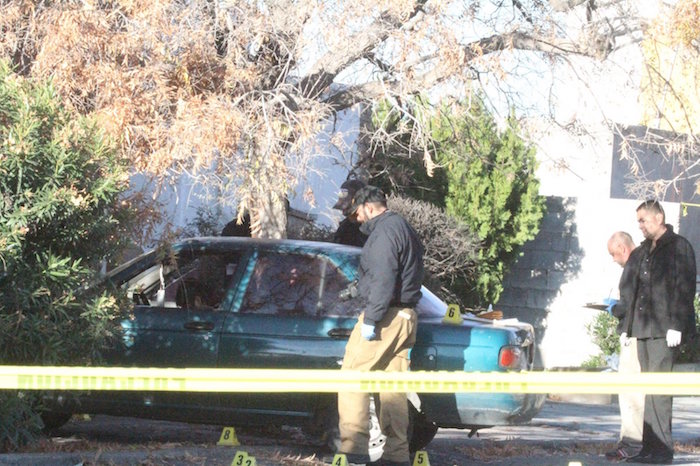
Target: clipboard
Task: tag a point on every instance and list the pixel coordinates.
(599, 307)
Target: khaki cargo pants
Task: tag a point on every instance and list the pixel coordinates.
(631, 404)
(396, 334)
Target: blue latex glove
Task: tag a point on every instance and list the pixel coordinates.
(368, 332)
(610, 302)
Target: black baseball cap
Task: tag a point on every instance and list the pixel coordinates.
(347, 192)
(368, 193)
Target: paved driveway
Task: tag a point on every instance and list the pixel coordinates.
(563, 433)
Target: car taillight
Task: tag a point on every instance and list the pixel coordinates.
(510, 357)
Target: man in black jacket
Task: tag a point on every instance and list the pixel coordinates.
(348, 231)
(390, 278)
(661, 313)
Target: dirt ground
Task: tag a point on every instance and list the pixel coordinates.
(562, 434)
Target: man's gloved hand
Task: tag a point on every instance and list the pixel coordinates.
(368, 332)
(673, 338)
(610, 303)
(624, 341)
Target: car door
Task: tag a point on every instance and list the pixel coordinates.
(179, 311)
(289, 314)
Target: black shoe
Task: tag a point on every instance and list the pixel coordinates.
(620, 454)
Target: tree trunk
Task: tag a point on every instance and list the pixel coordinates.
(269, 219)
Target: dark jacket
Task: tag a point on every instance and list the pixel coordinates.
(232, 228)
(672, 272)
(349, 233)
(628, 289)
(391, 265)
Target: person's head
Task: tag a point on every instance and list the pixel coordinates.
(620, 245)
(347, 191)
(651, 219)
(369, 202)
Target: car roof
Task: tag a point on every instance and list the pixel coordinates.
(266, 244)
(224, 243)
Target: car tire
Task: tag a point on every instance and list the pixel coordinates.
(331, 434)
(53, 419)
(421, 431)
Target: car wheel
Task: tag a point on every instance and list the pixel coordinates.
(421, 431)
(331, 432)
(53, 420)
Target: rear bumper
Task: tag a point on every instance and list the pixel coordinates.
(475, 410)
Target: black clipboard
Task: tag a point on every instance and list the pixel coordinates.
(599, 307)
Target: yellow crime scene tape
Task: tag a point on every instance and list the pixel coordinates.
(289, 380)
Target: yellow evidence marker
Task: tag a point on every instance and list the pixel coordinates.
(340, 460)
(242, 459)
(228, 437)
(452, 316)
(421, 458)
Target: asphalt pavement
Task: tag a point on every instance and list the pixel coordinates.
(563, 433)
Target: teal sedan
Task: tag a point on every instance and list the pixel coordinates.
(252, 303)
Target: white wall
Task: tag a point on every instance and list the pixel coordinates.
(315, 195)
(329, 170)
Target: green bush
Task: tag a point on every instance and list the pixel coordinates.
(595, 362)
(18, 421)
(61, 214)
(494, 190)
(602, 330)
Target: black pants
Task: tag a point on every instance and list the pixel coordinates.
(655, 356)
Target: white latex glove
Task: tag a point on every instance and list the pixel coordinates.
(367, 331)
(673, 338)
(624, 341)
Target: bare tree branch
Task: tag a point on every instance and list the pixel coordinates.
(349, 96)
